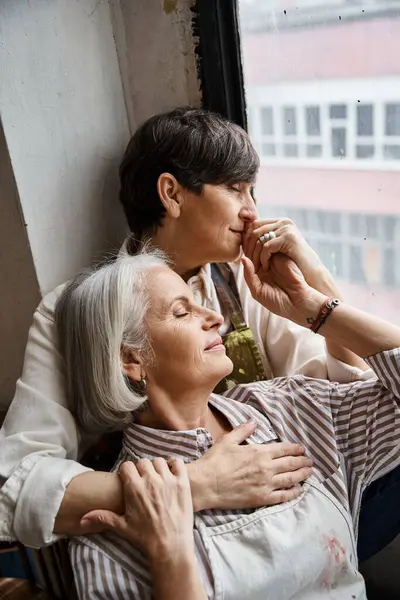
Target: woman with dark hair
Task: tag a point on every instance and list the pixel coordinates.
(149, 357)
(187, 180)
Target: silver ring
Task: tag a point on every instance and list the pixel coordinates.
(267, 237)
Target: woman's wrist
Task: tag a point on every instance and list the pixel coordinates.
(198, 486)
(322, 281)
(310, 308)
(171, 555)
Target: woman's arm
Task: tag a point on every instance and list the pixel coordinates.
(360, 332)
(229, 475)
(38, 440)
(158, 521)
(177, 578)
(282, 288)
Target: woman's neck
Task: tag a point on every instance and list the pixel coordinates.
(182, 262)
(182, 413)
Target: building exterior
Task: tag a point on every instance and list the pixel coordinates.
(323, 96)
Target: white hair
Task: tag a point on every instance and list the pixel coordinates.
(100, 312)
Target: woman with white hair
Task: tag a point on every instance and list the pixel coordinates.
(141, 355)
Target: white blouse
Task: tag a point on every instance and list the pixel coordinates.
(40, 442)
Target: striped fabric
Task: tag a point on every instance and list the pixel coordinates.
(351, 431)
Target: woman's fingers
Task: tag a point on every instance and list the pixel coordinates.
(177, 467)
(291, 463)
(98, 521)
(129, 473)
(251, 243)
(287, 480)
(252, 279)
(145, 467)
(280, 450)
(280, 496)
(267, 250)
(161, 467)
(239, 434)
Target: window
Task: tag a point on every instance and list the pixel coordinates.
(267, 120)
(338, 142)
(391, 152)
(290, 150)
(314, 150)
(392, 119)
(358, 249)
(289, 121)
(325, 123)
(366, 151)
(313, 124)
(356, 264)
(338, 111)
(354, 132)
(365, 120)
(389, 274)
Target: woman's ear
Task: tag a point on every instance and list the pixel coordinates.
(170, 193)
(132, 366)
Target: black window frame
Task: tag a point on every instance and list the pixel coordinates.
(218, 50)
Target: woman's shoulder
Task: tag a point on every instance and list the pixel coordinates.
(47, 305)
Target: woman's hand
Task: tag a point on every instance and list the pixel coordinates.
(158, 514)
(288, 241)
(281, 287)
(234, 476)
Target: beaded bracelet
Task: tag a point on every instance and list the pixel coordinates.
(328, 306)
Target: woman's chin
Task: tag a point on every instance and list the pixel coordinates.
(226, 369)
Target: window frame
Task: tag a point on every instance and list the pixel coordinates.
(216, 26)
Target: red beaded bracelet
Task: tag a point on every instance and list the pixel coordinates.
(327, 307)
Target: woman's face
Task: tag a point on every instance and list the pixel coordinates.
(184, 337)
(210, 226)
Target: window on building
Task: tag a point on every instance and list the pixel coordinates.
(313, 120)
(392, 119)
(365, 120)
(289, 120)
(354, 132)
(338, 111)
(267, 120)
(391, 152)
(339, 142)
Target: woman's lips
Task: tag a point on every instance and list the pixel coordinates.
(215, 348)
(215, 345)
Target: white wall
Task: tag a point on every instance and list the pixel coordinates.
(156, 52)
(64, 119)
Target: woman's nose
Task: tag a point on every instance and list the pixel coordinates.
(213, 320)
(248, 211)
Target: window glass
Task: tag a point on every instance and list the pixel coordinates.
(365, 121)
(392, 116)
(289, 121)
(267, 120)
(338, 141)
(338, 111)
(365, 151)
(290, 149)
(322, 84)
(313, 125)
